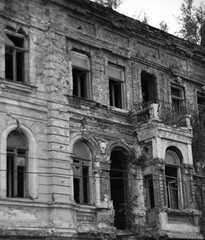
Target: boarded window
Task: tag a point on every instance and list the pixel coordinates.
(15, 56)
(116, 78)
(16, 165)
(80, 72)
(81, 171)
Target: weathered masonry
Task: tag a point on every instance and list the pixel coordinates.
(97, 115)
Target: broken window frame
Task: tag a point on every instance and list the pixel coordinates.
(178, 100)
(116, 86)
(81, 174)
(19, 70)
(149, 189)
(80, 75)
(173, 184)
(17, 177)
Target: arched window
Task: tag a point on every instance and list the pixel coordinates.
(17, 152)
(81, 172)
(173, 179)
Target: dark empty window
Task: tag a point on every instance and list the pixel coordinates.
(201, 102)
(15, 56)
(80, 72)
(115, 88)
(173, 180)
(116, 78)
(81, 171)
(149, 192)
(16, 165)
(177, 94)
(119, 187)
(80, 83)
(149, 87)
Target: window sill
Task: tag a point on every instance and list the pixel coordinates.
(82, 206)
(119, 110)
(85, 213)
(17, 86)
(82, 103)
(17, 201)
(181, 212)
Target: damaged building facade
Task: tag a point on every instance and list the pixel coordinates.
(95, 125)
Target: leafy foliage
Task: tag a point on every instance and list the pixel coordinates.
(191, 20)
(109, 3)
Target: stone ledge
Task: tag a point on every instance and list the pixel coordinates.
(17, 86)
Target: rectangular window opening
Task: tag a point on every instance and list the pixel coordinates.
(80, 83)
(172, 188)
(201, 103)
(116, 83)
(85, 184)
(177, 95)
(150, 203)
(148, 87)
(21, 181)
(77, 189)
(15, 57)
(16, 173)
(80, 72)
(10, 176)
(9, 64)
(81, 181)
(115, 89)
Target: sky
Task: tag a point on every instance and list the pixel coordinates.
(156, 10)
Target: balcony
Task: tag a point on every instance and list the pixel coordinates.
(161, 111)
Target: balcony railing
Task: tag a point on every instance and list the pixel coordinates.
(162, 111)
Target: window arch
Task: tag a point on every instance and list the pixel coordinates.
(173, 178)
(17, 165)
(81, 172)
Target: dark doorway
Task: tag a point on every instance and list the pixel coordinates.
(118, 183)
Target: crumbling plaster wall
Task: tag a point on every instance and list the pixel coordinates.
(53, 31)
(28, 105)
(145, 53)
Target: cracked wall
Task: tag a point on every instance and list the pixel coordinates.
(47, 109)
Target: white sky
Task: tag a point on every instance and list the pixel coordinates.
(156, 10)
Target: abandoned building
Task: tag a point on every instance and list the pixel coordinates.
(98, 125)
